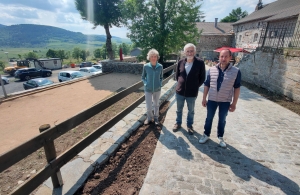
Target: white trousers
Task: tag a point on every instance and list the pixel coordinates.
(149, 96)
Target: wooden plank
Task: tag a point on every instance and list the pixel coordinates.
(18, 153)
(29, 185)
(72, 152)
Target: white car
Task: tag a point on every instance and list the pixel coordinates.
(90, 70)
(68, 75)
(98, 66)
(5, 80)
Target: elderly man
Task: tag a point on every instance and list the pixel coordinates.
(223, 83)
(190, 75)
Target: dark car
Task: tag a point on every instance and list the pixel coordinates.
(34, 83)
(28, 73)
(85, 64)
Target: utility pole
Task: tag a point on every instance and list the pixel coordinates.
(2, 83)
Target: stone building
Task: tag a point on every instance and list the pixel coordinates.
(214, 35)
(271, 25)
(136, 51)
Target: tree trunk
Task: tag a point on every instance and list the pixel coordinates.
(108, 42)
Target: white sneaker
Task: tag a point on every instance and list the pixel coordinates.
(221, 142)
(203, 139)
(147, 122)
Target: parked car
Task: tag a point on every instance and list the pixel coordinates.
(69, 75)
(28, 73)
(90, 70)
(98, 66)
(85, 64)
(34, 83)
(5, 80)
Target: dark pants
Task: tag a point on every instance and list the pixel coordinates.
(211, 110)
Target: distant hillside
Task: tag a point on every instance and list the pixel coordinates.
(30, 35)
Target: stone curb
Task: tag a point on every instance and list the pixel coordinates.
(101, 149)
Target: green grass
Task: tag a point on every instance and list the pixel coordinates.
(41, 51)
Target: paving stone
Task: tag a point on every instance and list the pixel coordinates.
(204, 189)
(262, 139)
(185, 186)
(86, 153)
(72, 177)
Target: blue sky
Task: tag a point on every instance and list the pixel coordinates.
(63, 14)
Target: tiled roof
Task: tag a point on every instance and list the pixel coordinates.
(277, 10)
(208, 28)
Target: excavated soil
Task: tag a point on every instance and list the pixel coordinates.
(125, 171)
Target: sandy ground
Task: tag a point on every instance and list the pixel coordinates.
(21, 118)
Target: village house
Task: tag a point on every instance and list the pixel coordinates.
(272, 25)
(213, 35)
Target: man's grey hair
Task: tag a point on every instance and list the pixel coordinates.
(152, 52)
(189, 45)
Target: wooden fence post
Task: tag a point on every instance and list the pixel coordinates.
(51, 155)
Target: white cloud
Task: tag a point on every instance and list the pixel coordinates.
(63, 14)
(220, 9)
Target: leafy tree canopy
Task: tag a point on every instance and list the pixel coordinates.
(235, 15)
(31, 55)
(101, 13)
(166, 25)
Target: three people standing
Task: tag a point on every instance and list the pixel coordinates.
(152, 78)
(222, 86)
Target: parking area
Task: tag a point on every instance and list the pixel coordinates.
(16, 85)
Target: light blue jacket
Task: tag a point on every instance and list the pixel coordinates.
(152, 77)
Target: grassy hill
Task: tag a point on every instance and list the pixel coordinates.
(30, 35)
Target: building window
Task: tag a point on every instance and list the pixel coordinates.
(198, 40)
(224, 39)
(241, 28)
(255, 37)
(258, 24)
(240, 37)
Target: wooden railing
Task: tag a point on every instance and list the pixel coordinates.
(47, 137)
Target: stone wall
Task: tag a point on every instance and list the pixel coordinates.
(275, 72)
(122, 67)
(208, 43)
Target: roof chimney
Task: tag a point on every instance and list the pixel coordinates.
(216, 22)
(259, 5)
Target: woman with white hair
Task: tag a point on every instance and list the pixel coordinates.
(152, 78)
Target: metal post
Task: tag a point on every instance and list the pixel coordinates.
(3, 88)
(51, 155)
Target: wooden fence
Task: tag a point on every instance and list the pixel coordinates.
(46, 138)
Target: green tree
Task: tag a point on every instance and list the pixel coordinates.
(102, 13)
(84, 54)
(235, 15)
(165, 25)
(61, 54)
(2, 65)
(20, 56)
(97, 53)
(51, 53)
(31, 55)
(103, 52)
(76, 53)
(125, 48)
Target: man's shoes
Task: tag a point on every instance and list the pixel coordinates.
(147, 122)
(191, 130)
(203, 139)
(176, 127)
(156, 122)
(221, 142)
